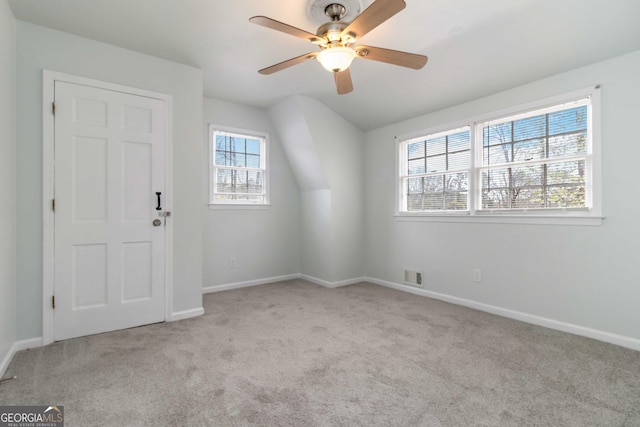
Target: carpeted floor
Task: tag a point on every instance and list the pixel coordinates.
(296, 354)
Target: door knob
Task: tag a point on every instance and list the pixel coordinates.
(157, 223)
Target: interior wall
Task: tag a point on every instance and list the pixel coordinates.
(40, 48)
(580, 275)
(326, 153)
(265, 241)
(7, 180)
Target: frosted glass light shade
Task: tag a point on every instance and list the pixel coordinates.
(336, 58)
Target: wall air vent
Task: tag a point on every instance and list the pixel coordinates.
(413, 278)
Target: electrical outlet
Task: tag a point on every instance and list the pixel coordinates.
(477, 275)
(232, 262)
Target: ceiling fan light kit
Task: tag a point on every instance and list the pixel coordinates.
(336, 59)
(337, 39)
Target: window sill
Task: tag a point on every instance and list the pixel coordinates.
(238, 206)
(503, 219)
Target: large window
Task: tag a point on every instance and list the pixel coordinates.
(238, 167)
(542, 160)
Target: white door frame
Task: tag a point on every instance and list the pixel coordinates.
(48, 82)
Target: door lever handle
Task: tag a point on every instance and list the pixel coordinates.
(158, 208)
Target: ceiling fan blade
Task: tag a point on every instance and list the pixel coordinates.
(288, 63)
(395, 57)
(286, 28)
(343, 81)
(374, 15)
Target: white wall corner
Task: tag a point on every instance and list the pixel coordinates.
(332, 285)
(16, 347)
(249, 283)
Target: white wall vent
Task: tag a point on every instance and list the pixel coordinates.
(413, 278)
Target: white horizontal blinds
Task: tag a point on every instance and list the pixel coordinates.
(437, 172)
(239, 168)
(536, 160)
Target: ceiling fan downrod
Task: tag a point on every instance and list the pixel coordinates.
(335, 11)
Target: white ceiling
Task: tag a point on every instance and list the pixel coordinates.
(475, 47)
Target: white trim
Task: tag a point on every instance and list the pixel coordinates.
(48, 96)
(16, 347)
(185, 314)
(236, 206)
(247, 284)
(332, 285)
(623, 341)
(503, 219)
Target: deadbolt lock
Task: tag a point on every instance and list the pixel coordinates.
(157, 223)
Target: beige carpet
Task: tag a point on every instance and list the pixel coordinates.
(296, 354)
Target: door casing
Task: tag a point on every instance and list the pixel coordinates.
(48, 82)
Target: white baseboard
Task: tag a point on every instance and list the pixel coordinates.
(332, 285)
(239, 285)
(620, 340)
(186, 314)
(16, 347)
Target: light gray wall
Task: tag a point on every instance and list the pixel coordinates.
(326, 153)
(265, 242)
(40, 48)
(7, 179)
(581, 275)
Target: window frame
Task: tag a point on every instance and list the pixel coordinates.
(264, 168)
(590, 215)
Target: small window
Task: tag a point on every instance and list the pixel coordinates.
(436, 172)
(542, 159)
(238, 167)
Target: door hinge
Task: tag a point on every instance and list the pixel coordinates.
(53, 301)
(53, 205)
(53, 108)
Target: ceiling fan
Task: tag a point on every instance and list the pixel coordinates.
(337, 40)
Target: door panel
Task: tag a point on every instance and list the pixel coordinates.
(109, 163)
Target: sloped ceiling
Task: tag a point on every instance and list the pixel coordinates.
(475, 47)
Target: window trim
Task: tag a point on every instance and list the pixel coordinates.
(241, 204)
(567, 216)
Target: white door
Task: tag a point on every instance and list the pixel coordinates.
(109, 266)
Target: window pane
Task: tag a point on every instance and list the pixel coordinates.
(238, 160)
(497, 134)
(221, 142)
(414, 185)
(238, 144)
(416, 166)
(436, 146)
(416, 150)
(497, 154)
(527, 198)
(525, 176)
(531, 127)
(498, 198)
(222, 158)
(223, 180)
(496, 178)
(253, 161)
(568, 145)
(529, 150)
(434, 184)
(437, 163)
(572, 120)
(566, 196)
(253, 146)
(254, 183)
(566, 173)
(460, 141)
(459, 160)
(457, 182)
